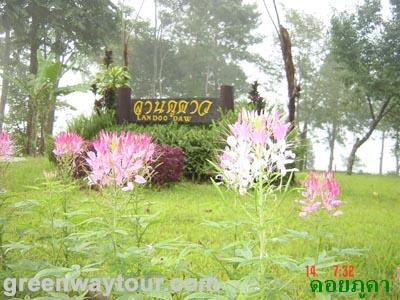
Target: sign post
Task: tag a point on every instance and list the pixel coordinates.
(180, 110)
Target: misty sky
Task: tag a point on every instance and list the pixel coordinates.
(369, 152)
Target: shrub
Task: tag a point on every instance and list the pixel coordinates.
(89, 127)
(169, 164)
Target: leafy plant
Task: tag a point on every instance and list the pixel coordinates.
(106, 84)
(42, 90)
(89, 127)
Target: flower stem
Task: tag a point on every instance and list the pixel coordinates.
(261, 230)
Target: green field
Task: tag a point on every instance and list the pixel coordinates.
(371, 222)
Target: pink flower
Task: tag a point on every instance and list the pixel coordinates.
(241, 129)
(255, 147)
(67, 144)
(321, 191)
(280, 131)
(260, 137)
(6, 145)
(140, 179)
(120, 158)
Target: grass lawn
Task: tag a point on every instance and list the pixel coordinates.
(371, 221)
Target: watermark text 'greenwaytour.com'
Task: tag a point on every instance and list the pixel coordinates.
(12, 286)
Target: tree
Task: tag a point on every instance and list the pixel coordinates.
(67, 28)
(330, 105)
(11, 28)
(210, 39)
(363, 43)
(42, 91)
(5, 82)
(391, 126)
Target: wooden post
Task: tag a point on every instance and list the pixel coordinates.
(124, 105)
(227, 97)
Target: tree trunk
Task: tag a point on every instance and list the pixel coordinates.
(332, 141)
(374, 123)
(59, 49)
(352, 157)
(42, 143)
(293, 90)
(5, 83)
(382, 150)
(33, 67)
(52, 116)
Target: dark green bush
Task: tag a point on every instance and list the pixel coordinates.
(89, 127)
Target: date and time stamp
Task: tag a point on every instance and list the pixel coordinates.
(342, 271)
(343, 281)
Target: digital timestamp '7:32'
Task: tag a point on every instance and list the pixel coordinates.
(343, 271)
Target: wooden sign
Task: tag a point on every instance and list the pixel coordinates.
(180, 110)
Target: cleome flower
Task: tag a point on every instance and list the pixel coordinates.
(6, 145)
(255, 147)
(67, 144)
(321, 192)
(120, 158)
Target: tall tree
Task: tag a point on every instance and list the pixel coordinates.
(330, 104)
(66, 28)
(210, 39)
(363, 42)
(6, 73)
(10, 26)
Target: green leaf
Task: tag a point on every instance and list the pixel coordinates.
(349, 251)
(25, 203)
(16, 246)
(56, 271)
